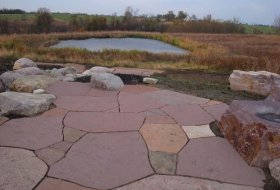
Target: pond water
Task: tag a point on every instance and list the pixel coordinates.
(95, 44)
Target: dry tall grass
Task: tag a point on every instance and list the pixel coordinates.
(218, 52)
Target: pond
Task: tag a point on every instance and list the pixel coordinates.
(96, 44)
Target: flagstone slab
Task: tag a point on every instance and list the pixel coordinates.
(72, 135)
(102, 93)
(163, 163)
(104, 122)
(50, 155)
(3, 120)
(137, 89)
(160, 120)
(114, 110)
(213, 102)
(55, 112)
(135, 103)
(187, 115)
(174, 98)
(217, 111)
(20, 169)
(68, 89)
(64, 146)
(83, 103)
(57, 184)
(104, 160)
(153, 112)
(194, 132)
(164, 182)
(214, 158)
(164, 137)
(31, 133)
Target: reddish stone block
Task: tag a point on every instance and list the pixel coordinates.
(137, 89)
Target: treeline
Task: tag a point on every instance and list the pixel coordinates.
(11, 11)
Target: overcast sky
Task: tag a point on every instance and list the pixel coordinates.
(248, 11)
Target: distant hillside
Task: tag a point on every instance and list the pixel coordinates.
(249, 29)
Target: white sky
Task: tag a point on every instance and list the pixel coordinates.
(248, 11)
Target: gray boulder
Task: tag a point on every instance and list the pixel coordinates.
(67, 70)
(23, 63)
(2, 87)
(274, 167)
(26, 104)
(68, 79)
(30, 83)
(55, 73)
(97, 69)
(29, 71)
(106, 81)
(9, 77)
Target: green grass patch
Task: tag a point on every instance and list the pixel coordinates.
(249, 29)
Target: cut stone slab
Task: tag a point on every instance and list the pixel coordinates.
(31, 133)
(160, 120)
(56, 184)
(130, 102)
(187, 115)
(217, 110)
(69, 89)
(153, 112)
(137, 89)
(23, 63)
(164, 137)
(3, 120)
(174, 98)
(106, 81)
(50, 155)
(115, 160)
(182, 183)
(86, 103)
(163, 163)
(55, 112)
(20, 169)
(72, 135)
(103, 122)
(64, 146)
(102, 93)
(25, 103)
(150, 80)
(214, 158)
(194, 132)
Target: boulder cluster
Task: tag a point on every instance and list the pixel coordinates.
(22, 90)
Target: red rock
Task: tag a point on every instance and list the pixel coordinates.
(102, 93)
(160, 120)
(188, 115)
(64, 146)
(50, 155)
(214, 158)
(217, 110)
(104, 161)
(69, 89)
(137, 89)
(31, 133)
(136, 103)
(104, 122)
(153, 112)
(56, 184)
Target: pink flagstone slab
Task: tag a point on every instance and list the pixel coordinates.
(217, 111)
(83, 103)
(57, 184)
(31, 133)
(64, 146)
(104, 160)
(104, 122)
(68, 89)
(164, 137)
(153, 112)
(72, 135)
(130, 102)
(164, 182)
(188, 114)
(174, 98)
(136, 89)
(114, 110)
(160, 120)
(50, 155)
(55, 112)
(214, 158)
(20, 169)
(102, 93)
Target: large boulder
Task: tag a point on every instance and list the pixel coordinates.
(261, 82)
(29, 71)
(31, 83)
(274, 167)
(253, 128)
(68, 70)
(55, 73)
(2, 87)
(9, 77)
(23, 63)
(97, 69)
(25, 103)
(106, 81)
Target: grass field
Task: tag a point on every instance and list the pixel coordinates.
(265, 30)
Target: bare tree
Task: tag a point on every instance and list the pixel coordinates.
(43, 20)
(277, 24)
